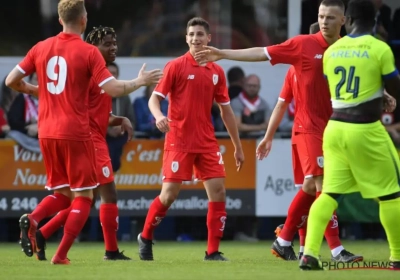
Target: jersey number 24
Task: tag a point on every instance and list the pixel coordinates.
(58, 80)
(347, 78)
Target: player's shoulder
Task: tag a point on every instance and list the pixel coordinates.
(217, 68)
(302, 38)
(174, 63)
(378, 45)
(178, 60)
(291, 71)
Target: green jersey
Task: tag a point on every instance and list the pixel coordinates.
(356, 68)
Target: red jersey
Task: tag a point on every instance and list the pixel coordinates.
(192, 90)
(65, 65)
(100, 107)
(312, 98)
(289, 85)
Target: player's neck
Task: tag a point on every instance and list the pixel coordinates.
(72, 30)
(359, 30)
(193, 53)
(332, 40)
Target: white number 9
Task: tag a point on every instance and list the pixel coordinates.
(60, 78)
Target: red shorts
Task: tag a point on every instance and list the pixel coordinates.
(179, 166)
(105, 173)
(307, 157)
(69, 164)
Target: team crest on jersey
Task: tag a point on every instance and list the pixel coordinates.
(174, 166)
(320, 161)
(106, 171)
(215, 79)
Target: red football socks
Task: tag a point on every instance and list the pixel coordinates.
(157, 212)
(80, 210)
(109, 224)
(216, 218)
(49, 206)
(297, 214)
(55, 223)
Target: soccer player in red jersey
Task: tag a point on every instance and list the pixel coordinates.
(313, 110)
(190, 140)
(65, 65)
(100, 106)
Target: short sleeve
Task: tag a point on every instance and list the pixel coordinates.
(98, 69)
(27, 65)
(164, 87)
(289, 52)
(221, 94)
(388, 68)
(286, 94)
(237, 107)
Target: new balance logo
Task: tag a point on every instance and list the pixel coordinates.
(190, 77)
(76, 211)
(318, 56)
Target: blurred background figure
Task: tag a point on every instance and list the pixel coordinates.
(120, 107)
(145, 121)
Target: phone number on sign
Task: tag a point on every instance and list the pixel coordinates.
(18, 204)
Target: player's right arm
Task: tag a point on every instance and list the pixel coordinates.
(160, 92)
(15, 80)
(118, 88)
(390, 74)
(285, 98)
(287, 53)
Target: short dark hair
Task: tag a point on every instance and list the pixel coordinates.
(115, 65)
(314, 28)
(198, 21)
(235, 74)
(333, 3)
(362, 12)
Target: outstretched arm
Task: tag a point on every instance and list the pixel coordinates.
(214, 54)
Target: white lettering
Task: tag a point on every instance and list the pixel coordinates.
(192, 203)
(24, 177)
(25, 155)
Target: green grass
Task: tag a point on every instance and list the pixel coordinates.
(184, 261)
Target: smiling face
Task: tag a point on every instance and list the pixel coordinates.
(196, 38)
(108, 48)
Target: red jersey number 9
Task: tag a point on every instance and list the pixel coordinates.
(58, 80)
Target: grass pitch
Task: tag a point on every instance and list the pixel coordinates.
(175, 261)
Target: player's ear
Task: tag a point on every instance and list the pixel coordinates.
(343, 20)
(60, 21)
(208, 38)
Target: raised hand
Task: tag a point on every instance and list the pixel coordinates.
(150, 77)
(209, 54)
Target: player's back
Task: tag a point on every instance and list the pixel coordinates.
(64, 64)
(354, 67)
